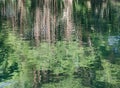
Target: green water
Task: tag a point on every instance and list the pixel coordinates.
(59, 44)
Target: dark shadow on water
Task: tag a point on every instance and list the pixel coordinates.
(99, 84)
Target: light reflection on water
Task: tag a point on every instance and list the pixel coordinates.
(5, 84)
(114, 41)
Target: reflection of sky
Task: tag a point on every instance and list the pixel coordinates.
(4, 84)
(113, 40)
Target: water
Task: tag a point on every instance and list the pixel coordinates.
(59, 44)
(5, 84)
